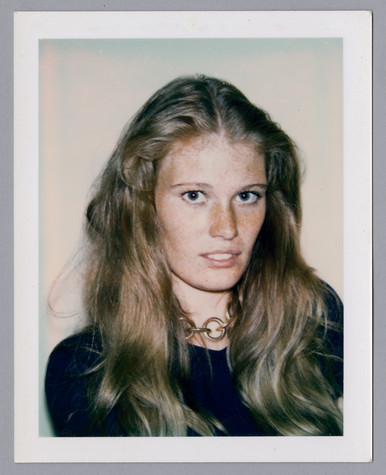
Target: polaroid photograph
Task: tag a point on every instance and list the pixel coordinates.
(193, 276)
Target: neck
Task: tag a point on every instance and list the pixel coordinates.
(200, 304)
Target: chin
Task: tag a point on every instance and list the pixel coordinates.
(218, 285)
(212, 281)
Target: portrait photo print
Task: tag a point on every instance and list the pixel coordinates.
(192, 196)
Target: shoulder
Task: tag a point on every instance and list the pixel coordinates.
(334, 306)
(332, 363)
(73, 358)
(76, 354)
(334, 321)
(71, 367)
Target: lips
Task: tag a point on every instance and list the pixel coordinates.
(222, 258)
(219, 257)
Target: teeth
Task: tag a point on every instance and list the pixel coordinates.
(220, 257)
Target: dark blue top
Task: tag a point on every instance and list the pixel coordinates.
(211, 385)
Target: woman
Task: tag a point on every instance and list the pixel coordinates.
(204, 318)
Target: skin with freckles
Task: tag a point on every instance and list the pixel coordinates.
(210, 204)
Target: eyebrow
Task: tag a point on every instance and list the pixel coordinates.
(206, 185)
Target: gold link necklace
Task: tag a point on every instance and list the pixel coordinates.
(214, 328)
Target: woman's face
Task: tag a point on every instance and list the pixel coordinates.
(210, 203)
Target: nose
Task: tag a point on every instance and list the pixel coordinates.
(223, 222)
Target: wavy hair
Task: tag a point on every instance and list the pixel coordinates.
(128, 296)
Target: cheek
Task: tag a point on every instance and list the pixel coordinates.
(251, 226)
(178, 225)
(174, 232)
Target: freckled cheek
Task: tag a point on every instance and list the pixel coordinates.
(177, 236)
(250, 225)
(181, 228)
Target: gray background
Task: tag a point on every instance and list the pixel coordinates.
(7, 7)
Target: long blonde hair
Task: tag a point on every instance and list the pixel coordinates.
(279, 303)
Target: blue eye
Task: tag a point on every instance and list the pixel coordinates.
(248, 197)
(194, 196)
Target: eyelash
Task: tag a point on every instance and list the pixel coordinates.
(186, 194)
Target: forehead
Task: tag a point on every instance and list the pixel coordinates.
(214, 155)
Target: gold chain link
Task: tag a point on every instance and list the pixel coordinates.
(191, 328)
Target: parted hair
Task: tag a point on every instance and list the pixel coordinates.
(278, 304)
